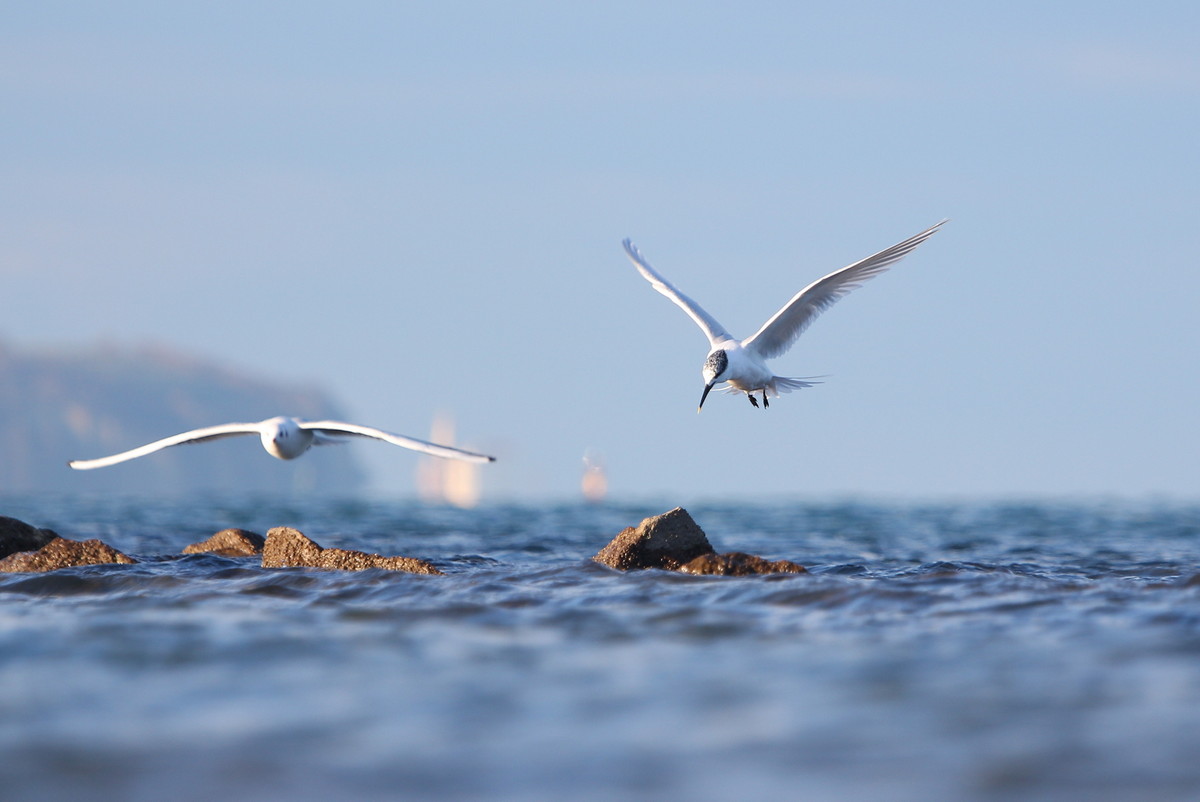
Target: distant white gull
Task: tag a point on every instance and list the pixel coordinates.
(284, 438)
(742, 363)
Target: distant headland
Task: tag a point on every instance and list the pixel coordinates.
(61, 404)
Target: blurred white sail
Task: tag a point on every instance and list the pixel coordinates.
(442, 481)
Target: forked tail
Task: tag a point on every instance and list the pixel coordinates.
(783, 384)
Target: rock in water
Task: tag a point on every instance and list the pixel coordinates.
(674, 542)
(288, 548)
(345, 560)
(737, 563)
(229, 543)
(16, 536)
(63, 553)
(666, 541)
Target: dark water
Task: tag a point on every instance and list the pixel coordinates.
(1000, 651)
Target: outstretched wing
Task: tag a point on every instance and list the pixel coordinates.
(194, 436)
(778, 333)
(335, 428)
(712, 329)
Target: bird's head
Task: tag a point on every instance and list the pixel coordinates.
(283, 438)
(714, 368)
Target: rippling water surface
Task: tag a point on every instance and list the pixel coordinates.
(998, 651)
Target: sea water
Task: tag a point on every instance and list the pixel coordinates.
(992, 651)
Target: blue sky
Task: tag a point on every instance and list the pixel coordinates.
(420, 208)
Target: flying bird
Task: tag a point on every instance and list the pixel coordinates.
(742, 363)
(284, 438)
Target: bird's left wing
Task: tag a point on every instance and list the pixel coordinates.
(335, 428)
(712, 329)
(194, 436)
(778, 333)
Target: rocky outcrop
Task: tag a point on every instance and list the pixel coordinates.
(665, 541)
(16, 536)
(674, 542)
(288, 548)
(737, 563)
(229, 543)
(63, 553)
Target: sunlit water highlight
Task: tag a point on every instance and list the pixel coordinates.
(997, 651)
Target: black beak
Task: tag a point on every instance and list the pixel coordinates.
(707, 388)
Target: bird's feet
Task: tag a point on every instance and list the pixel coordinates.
(753, 400)
(766, 403)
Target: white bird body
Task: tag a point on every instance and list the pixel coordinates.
(746, 371)
(284, 438)
(743, 363)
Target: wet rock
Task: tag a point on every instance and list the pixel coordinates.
(229, 543)
(736, 563)
(63, 553)
(16, 536)
(345, 560)
(673, 541)
(288, 548)
(667, 541)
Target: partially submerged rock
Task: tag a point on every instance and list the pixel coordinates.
(16, 536)
(674, 542)
(229, 543)
(288, 548)
(665, 541)
(63, 553)
(737, 563)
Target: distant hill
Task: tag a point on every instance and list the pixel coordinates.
(59, 405)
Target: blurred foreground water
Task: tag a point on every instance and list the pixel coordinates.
(988, 651)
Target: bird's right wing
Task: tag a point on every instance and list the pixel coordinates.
(194, 436)
(335, 428)
(778, 333)
(712, 329)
